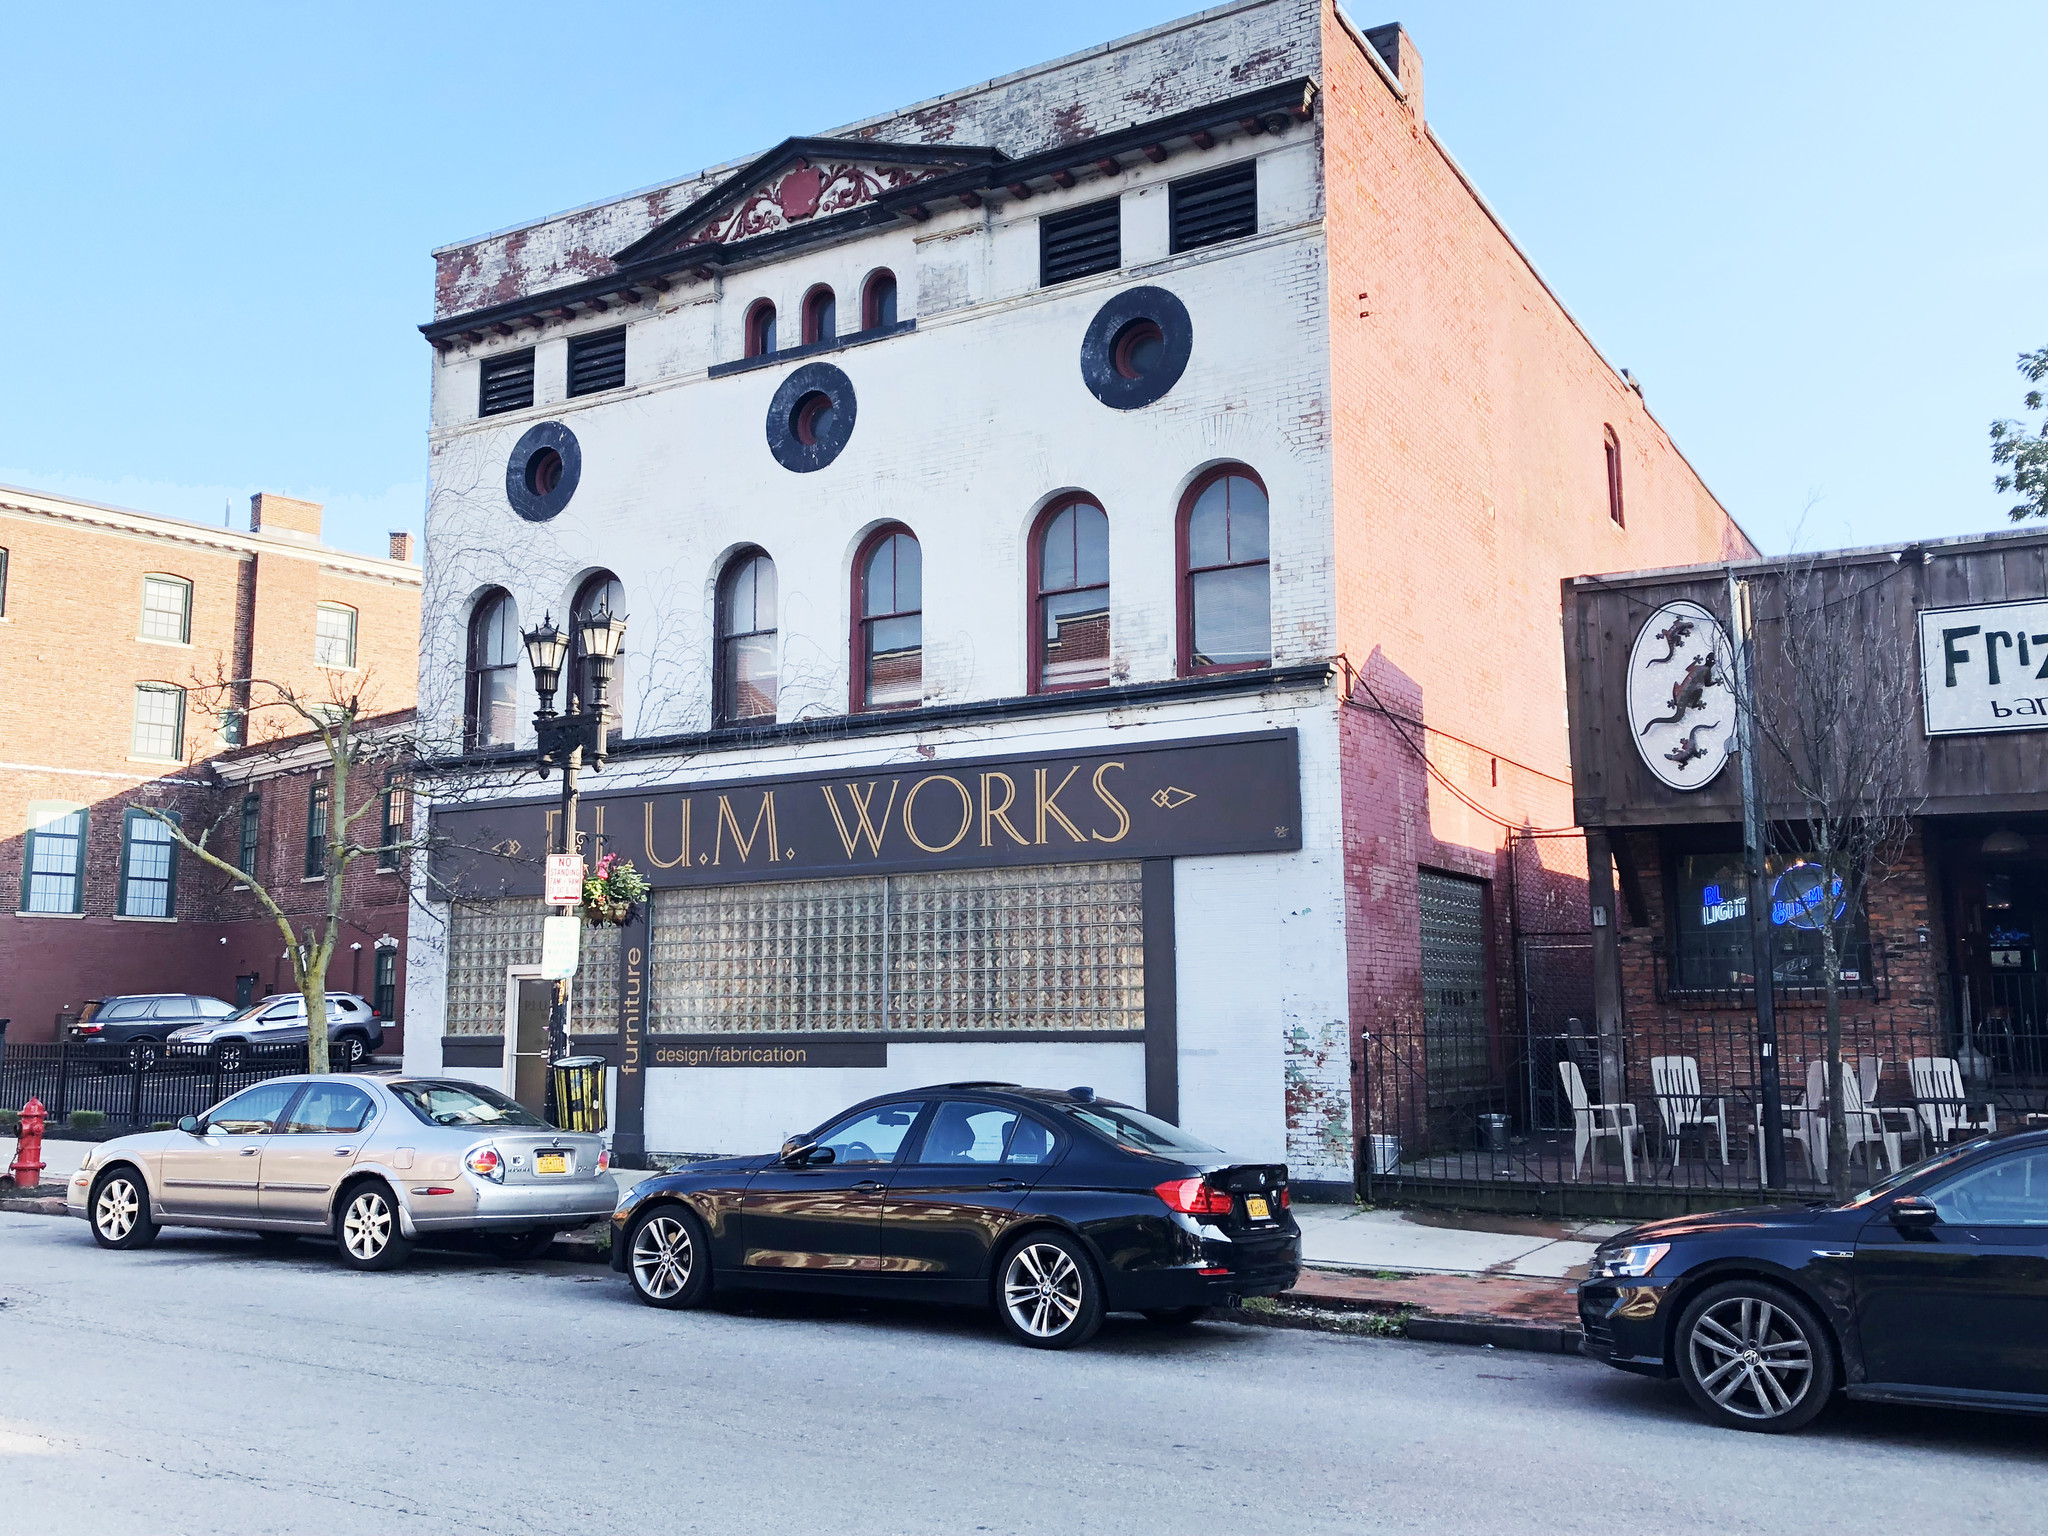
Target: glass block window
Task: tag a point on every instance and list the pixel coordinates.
(53, 871)
(167, 609)
(149, 867)
(487, 939)
(334, 636)
(159, 722)
(1058, 948)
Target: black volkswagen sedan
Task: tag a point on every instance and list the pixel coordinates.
(1931, 1287)
(1051, 1206)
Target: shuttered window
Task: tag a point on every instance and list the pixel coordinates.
(597, 361)
(507, 383)
(1072, 245)
(1223, 205)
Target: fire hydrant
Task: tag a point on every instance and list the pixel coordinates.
(27, 1171)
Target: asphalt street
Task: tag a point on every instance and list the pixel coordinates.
(209, 1385)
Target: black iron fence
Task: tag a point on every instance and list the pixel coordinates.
(1680, 1109)
(104, 1080)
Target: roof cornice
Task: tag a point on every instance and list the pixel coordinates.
(1272, 109)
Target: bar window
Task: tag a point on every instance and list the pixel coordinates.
(252, 831)
(334, 636)
(316, 830)
(1710, 925)
(149, 867)
(159, 722)
(167, 609)
(53, 867)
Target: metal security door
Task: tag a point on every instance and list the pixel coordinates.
(1456, 1032)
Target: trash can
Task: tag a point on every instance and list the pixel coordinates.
(1385, 1153)
(1493, 1133)
(579, 1093)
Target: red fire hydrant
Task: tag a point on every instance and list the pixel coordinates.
(27, 1171)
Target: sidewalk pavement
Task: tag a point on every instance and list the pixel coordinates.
(1446, 1242)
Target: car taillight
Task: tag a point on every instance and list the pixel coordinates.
(1193, 1197)
(88, 1029)
(485, 1162)
(1285, 1199)
(604, 1159)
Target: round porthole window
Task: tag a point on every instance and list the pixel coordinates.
(1136, 349)
(810, 418)
(541, 475)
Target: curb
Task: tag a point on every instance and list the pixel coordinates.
(34, 1205)
(1397, 1320)
(1491, 1333)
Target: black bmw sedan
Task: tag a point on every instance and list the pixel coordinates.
(1931, 1287)
(1052, 1206)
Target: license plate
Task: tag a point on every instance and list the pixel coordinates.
(1255, 1207)
(550, 1162)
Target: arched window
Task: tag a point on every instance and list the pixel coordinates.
(601, 589)
(888, 667)
(746, 639)
(1613, 476)
(1226, 610)
(878, 300)
(1070, 596)
(821, 315)
(491, 711)
(761, 329)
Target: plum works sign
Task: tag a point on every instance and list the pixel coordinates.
(1230, 794)
(1985, 668)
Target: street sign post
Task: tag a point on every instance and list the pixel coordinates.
(560, 939)
(565, 879)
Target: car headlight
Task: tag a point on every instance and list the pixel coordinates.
(92, 1157)
(628, 1195)
(1630, 1263)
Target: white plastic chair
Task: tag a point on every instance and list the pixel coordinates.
(1869, 1074)
(1871, 1126)
(1944, 1109)
(1597, 1122)
(1680, 1102)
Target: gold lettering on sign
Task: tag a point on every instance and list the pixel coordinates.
(966, 812)
(870, 831)
(745, 843)
(554, 819)
(995, 815)
(629, 1024)
(1123, 817)
(1048, 805)
(598, 817)
(682, 856)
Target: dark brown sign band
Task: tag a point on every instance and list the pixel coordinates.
(778, 1051)
(1234, 794)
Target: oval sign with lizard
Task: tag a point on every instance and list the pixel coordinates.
(1681, 709)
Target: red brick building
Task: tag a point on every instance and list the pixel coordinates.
(112, 626)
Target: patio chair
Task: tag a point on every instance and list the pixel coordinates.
(1599, 1122)
(1944, 1109)
(1873, 1126)
(1869, 1074)
(1681, 1104)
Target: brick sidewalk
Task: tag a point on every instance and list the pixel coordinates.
(1510, 1299)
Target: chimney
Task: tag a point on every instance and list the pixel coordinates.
(283, 518)
(401, 544)
(1393, 44)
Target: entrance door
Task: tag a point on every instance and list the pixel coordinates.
(1963, 1306)
(828, 1216)
(526, 1042)
(1457, 1027)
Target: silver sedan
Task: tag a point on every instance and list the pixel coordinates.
(376, 1163)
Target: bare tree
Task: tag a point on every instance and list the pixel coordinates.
(357, 754)
(1834, 714)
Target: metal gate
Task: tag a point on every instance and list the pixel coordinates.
(1555, 972)
(1457, 1041)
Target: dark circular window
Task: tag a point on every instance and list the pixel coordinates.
(1136, 349)
(541, 475)
(810, 418)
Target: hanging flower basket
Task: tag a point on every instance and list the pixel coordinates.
(611, 890)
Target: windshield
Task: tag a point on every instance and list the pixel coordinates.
(463, 1104)
(1912, 1171)
(1136, 1131)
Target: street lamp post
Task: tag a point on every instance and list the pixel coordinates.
(570, 741)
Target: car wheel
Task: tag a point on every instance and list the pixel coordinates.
(516, 1246)
(349, 1051)
(143, 1055)
(668, 1258)
(231, 1056)
(120, 1210)
(1047, 1293)
(368, 1228)
(1178, 1317)
(1753, 1356)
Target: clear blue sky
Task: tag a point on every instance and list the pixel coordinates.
(1814, 232)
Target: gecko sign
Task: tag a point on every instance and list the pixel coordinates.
(1681, 710)
(1985, 668)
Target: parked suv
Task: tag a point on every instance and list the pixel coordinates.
(353, 1030)
(144, 1021)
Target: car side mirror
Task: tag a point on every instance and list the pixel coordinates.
(190, 1126)
(796, 1151)
(1914, 1215)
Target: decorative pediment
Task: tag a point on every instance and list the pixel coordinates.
(802, 181)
